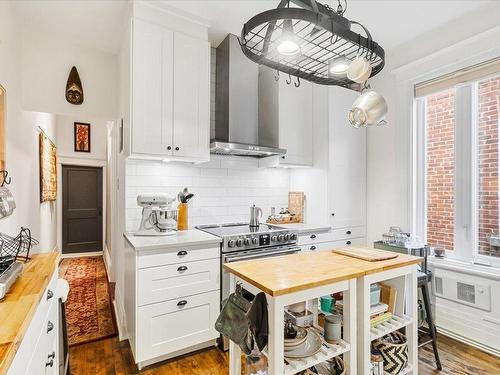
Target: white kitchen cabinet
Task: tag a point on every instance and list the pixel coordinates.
(295, 111)
(347, 164)
(38, 352)
(291, 107)
(170, 326)
(170, 94)
(191, 97)
(173, 300)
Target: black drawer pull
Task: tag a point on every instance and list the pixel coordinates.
(169, 147)
(312, 248)
(182, 253)
(182, 303)
(182, 268)
(50, 326)
(313, 236)
(49, 363)
(348, 243)
(348, 232)
(53, 355)
(177, 149)
(50, 294)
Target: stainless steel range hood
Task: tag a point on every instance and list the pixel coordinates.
(236, 106)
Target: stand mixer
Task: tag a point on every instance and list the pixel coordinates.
(158, 216)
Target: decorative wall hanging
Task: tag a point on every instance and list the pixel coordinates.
(313, 42)
(48, 169)
(74, 88)
(2, 128)
(82, 137)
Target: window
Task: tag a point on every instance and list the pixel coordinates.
(488, 98)
(457, 161)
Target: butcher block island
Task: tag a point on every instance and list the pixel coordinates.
(305, 277)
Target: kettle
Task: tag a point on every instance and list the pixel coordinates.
(255, 216)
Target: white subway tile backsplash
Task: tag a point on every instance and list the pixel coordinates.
(224, 188)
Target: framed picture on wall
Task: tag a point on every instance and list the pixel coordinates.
(82, 137)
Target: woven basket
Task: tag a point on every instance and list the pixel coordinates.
(395, 354)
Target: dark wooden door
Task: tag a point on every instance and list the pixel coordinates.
(82, 209)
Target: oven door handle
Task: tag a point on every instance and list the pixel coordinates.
(230, 259)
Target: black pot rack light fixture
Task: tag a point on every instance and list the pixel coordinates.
(310, 41)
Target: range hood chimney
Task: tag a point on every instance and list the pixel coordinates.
(236, 107)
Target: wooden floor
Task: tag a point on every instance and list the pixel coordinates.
(111, 357)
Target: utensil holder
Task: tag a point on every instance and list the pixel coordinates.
(182, 217)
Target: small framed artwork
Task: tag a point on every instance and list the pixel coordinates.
(82, 137)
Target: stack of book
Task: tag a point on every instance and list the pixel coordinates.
(379, 314)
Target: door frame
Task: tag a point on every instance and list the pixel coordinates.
(80, 163)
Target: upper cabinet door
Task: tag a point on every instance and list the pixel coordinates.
(191, 109)
(295, 122)
(148, 68)
(347, 163)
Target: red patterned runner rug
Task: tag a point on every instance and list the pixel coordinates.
(89, 314)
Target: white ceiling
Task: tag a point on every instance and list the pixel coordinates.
(391, 22)
(87, 23)
(99, 24)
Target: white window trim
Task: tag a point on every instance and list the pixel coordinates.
(480, 47)
(466, 220)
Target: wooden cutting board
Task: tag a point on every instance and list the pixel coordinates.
(370, 255)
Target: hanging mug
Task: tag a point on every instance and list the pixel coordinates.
(369, 108)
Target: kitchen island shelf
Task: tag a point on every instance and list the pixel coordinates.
(328, 351)
(391, 325)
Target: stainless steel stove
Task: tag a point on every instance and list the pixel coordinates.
(241, 241)
(239, 237)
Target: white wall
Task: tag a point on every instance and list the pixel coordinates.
(389, 152)
(45, 65)
(224, 188)
(65, 137)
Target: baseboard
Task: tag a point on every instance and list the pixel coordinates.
(120, 317)
(79, 255)
(194, 348)
(108, 263)
(467, 341)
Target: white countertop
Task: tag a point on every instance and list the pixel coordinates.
(303, 228)
(181, 238)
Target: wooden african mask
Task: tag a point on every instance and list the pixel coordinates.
(74, 88)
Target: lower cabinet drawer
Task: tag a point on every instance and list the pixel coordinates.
(163, 283)
(333, 244)
(29, 359)
(332, 235)
(174, 325)
(43, 348)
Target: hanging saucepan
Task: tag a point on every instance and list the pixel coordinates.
(368, 109)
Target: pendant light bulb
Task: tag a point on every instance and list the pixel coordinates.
(288, 45)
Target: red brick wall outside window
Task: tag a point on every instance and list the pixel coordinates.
(440, 168)
(440, 158)
(487, 148)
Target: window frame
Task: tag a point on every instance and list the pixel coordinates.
(466, 214)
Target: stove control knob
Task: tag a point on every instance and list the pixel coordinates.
(293, 237)
(230, 243)
(274, 238)
(280, 237)
(239, 242)
(255, 240)
(247, 241)
(287, 237)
